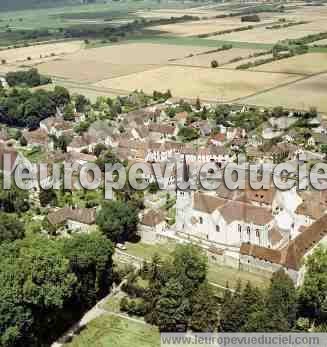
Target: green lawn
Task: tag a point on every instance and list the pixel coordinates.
(112, 331)
(221, 275)
(217, 274)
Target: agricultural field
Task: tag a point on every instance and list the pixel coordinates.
(263, 35)
(208, 84)
(107, 62)
(304, 94)
(18, 55)
(319, 43)
(195, 28)
(222, 57)
(305, 64)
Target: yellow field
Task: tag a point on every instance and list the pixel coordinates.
(35, 52)
(203, 26)
(305, 64)
(222, 57)
(208, 84)
(88, 71)
(303, 94)
(263, 35)
(92, 65)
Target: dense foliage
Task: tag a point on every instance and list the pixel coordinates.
(46, 284)
(23, 108)
(29, 78)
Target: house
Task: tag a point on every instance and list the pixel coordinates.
(161, 131)
(203, 127)
(181, 117)
(72, 219)
(218, 139)
(3, 83)
(152, 223)
(38, 137)
(80, 158)
(57, 126)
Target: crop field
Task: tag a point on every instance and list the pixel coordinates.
(203, 26)
(38, 51)
(263, 35)
(88, 71)
(310, 92)
(305, 64)
(208, 84)
(222, 57)
(101, 63)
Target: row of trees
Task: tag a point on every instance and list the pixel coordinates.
(46, 284)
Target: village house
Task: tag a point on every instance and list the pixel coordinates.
(67, 219)
(38, 137)
(56, 126)
(152, 223)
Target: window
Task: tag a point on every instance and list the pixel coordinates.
(248, 230)
(217, 228)
(257, 232)
(201, 220)
(239, 228)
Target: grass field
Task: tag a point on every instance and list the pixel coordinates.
(222, 57)
(217, 274)
(305, 64)
(208, 84)
(112, 331)
(304, 94)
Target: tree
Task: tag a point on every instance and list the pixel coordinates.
(214, 64)
(172, 307)
(60, 96)
(35, 283)
(69, 112)
(99, 149)
(198, 104)
(90, 257)
(62, 142)
(81, 102)
(188, 134)
(23, 142)
(11, 228)
(47, 197)
(191, 265)
(205, 310)
(282, 299)
(313, 293)
(118, 221)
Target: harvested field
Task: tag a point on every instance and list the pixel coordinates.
(305, 64)
(202, 26)
(263, 35)
(34, 52)
(102, 63)
(88, 70)
(303, 94)
(222, 57)
(208, 84)
(137, 53)
(250, 60)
